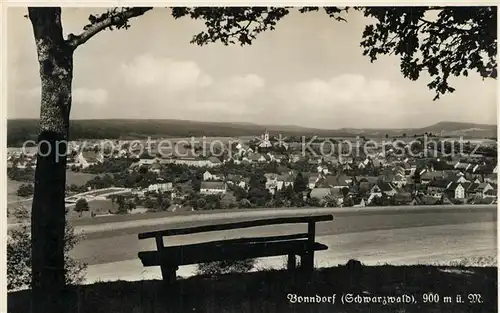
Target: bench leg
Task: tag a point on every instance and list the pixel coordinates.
(292, 262)
(168, 273)
(307, 261)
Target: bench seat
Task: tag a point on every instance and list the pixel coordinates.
(226, 250)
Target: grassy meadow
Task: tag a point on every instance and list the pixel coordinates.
(269, 291)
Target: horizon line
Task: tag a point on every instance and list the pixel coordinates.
(260, 125)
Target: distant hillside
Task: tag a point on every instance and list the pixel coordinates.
(449, 129)
(463, 129)
(20, 130)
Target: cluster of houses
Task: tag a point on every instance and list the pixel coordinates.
(441, 186)
(406, 180)
(17, 159)
(403, 183)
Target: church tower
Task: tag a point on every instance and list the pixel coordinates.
(265, 143)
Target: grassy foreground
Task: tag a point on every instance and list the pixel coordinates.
(266, 291)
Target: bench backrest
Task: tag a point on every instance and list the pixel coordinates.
(311, 220)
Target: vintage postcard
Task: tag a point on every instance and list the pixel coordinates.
(194, 158)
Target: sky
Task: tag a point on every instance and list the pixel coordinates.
(310, 72)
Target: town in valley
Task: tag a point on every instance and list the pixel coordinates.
(112, 176)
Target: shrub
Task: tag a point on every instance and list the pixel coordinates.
(19, 258)
(81, 205)
(21, 175)
(245, 203)
(25, 190)
(21, 213)
(225, 267)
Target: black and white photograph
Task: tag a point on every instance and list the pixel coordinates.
(193, 157)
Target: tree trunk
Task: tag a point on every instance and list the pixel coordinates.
(48, 211)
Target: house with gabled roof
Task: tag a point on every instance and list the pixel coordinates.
(209, 176)
(336, 182)
(425, 200)
(89, 158)
(313, 178)
(479, 190)
(296, 157)
(403, 198)
(257, 158)
(330, 159)
(155, 168)
(213, 187)
(276, 157)
(399, 180)
(383, 188)
(491, 193)
(428, 176)
(214, 161)
(143, 162)
(462, 165)
(346, 167)
(369, 179)
(323, 169)
(437, 187)
(358, 202)
(491, 178)
(314, 160)
(161, 187)
(271, 181)
(285, 180)
(378, 162)
(457, 190)
(320, 193)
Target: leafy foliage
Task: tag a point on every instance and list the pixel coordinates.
(231, 25)
(81, 205)
(114, 165)
(21, 213)
(444, 41)
(119, 16)
(19, 258)
(225, 267)
(22, 175)
(301, 183)
(25, 190)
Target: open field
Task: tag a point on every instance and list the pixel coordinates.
(13, 201)
(76, 178)
(99, 207)
(107, 243)
(169, 218)
(12, 187)
(96, 207)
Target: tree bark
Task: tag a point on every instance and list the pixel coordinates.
(48, 220)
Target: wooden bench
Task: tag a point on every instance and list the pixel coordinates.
(169, 258)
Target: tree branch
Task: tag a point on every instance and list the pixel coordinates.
(444, 27)
(115, 19)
